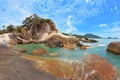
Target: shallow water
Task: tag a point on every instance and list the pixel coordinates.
(98, 48)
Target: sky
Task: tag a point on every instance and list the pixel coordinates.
(100, 17)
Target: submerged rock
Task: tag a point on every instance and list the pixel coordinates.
(114, 47)
(22, 50)
(40, 51)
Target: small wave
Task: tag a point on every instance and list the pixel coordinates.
(101, 45)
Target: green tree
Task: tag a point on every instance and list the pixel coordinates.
(18, 28)
(10, 28)
(32, 21)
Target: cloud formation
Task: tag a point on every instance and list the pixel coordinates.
(103, 25)
(84, 12)
(70, 28)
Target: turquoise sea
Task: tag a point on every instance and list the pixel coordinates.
(98, 48)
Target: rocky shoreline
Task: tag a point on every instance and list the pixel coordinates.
(27, 67)
(15, 67)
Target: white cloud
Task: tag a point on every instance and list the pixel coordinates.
(86, 1)
(103, 25)
(70, 28)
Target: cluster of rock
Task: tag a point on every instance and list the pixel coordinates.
(44, 33)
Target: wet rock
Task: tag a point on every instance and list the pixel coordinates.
(114, 47)
(89, 67)
(55, 44)
(22, 50)
(89, 40)
(40, 51)
(82, 47)
(59, 41)
(97, 68)
(68, 46)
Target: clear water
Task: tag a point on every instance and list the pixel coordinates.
(98, 48)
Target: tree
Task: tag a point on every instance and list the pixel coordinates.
(10, 28)
(34, 23)
(33, 20)
(18, 28)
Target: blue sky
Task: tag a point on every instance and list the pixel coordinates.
(101, 17)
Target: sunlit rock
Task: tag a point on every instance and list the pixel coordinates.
(114, 47)
(39, 51)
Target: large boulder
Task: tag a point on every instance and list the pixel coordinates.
(8, 39)
(61, 41)
(89, 67)
(97, 68)
(40, 51)
(114, 47)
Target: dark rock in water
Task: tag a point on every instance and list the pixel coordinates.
(55, 44)
(82, 47)
(68, 46)
(58, 41)
(39, 51)
(114, 47)
(22, 50)
(89, 40)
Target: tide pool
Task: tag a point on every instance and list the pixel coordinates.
(98, 48)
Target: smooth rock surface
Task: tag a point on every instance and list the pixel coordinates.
(114, 47)
(39, 51)
(14, 67)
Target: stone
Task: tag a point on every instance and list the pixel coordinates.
(8, 39)
(82, 47)
(40, 51)
(89, 40)
(22, 50)
(68, 46)
(114, 47)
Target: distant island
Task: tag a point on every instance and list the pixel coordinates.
(112, 38)
(90, 35)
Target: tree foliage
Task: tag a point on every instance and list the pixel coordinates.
(36, 21)
(10, 28)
